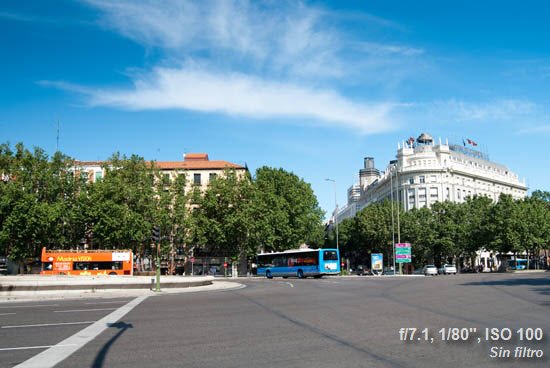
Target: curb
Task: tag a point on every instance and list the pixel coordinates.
(37, 288)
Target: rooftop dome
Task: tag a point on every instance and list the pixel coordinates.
(424, 138)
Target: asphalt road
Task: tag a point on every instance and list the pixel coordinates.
(331, 322)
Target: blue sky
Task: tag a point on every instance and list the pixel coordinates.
(312, 87)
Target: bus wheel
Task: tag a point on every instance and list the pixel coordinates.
(268, 274)
(112, 273)
(317, 276)
(300, 274)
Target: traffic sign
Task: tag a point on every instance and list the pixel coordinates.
(403, 253)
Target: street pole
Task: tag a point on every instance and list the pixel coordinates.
(392, 218)
(335, 211)
(157, 287)
(398, 205)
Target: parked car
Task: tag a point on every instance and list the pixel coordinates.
(362, 270)
(447, 269)
(429, 270)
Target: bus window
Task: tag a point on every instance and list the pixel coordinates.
(81, 266)
(330, 255)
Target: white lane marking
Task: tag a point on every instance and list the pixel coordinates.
(117, 302)
(30, 306)
(6, 314)
(58, 353)
(31, 347)
(83, 310)
(289, 284)
(50, 324)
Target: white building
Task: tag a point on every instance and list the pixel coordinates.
(425, 172)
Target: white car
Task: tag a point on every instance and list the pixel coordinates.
(429, 270)
(447, 269)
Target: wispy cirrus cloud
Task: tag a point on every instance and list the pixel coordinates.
(536, 129)
(237, 94)
(275, 37)
(252, 59)
(455, 110)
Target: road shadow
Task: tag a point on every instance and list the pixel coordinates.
(512, 282)
(538, 285)
(100, 358)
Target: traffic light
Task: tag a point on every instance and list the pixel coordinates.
(155, 235)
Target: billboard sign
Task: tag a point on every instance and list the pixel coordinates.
(377, 261)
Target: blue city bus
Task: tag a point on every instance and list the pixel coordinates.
(300, 263)
(517, 264)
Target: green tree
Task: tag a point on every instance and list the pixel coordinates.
(418, 228)
(372, 230)
(224, 219)
(123, 206)
(503, 228)
(39, 203)
(449, 226)
(533, 222)
(286, 211)
(477, 225)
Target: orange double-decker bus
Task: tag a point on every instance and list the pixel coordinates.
(87, 262)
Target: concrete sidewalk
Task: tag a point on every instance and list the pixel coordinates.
(33, 287)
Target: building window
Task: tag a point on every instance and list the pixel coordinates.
(458, 194)
(433, 178)
(411, 180)
(212, 177)
(411, 198)
(434, 195)
(98, 175)
(422, 179)
(196, 179)
(422, 197)
(448, 195)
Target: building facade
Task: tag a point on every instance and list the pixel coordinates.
(199, 172)
(197, 167)
(424, 173)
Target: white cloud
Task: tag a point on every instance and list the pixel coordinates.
(239, 94)
(536, 129)
(375, 48)
(454, 110)
(278, 37)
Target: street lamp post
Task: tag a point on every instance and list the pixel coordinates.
(335, 211)
(398, 205)
(392, 221)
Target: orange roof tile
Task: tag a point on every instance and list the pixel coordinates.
(192, 161)
(195, 156)
(197, 165)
